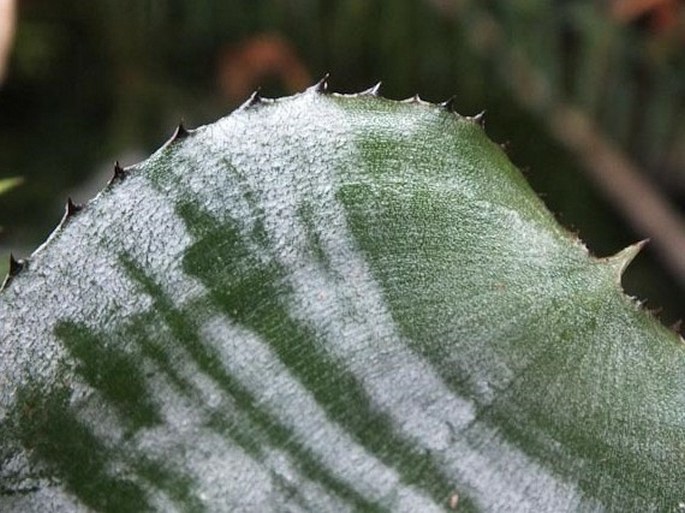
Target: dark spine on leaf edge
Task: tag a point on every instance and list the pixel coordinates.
(479, 119)
(16, 266)
(321, 86)
(119, 174)
(70, 210)
(254, 100)
(181, 132)
(448, 104)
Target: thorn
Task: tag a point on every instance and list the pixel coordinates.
(413, 99)
(479, 119)
(448, 104)
(181, 132)
(119, 171)
(623, 258)
(372, 91)
(15, 266)
(321, 86)
(71, 208)
(677, 325)
(254, 99)
(119, 174)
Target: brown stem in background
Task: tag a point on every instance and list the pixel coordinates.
(7, 29)
(621, 181)
(645, 209)
(628, 10)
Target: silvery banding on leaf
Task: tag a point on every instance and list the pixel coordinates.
(331, 303)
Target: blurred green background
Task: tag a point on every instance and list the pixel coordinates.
(88, 83)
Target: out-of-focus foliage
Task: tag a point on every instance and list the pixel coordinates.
(8, 183)
(91, 82)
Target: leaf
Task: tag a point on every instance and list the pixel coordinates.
(332, 303)
(9, 183)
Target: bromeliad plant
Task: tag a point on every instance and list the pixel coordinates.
(332, 303)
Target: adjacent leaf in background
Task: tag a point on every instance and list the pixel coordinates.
(332, 303)
(9, 183)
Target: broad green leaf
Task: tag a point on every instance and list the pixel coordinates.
(332, 303)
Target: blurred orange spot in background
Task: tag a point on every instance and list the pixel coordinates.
(243, 68)
(663, 14)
